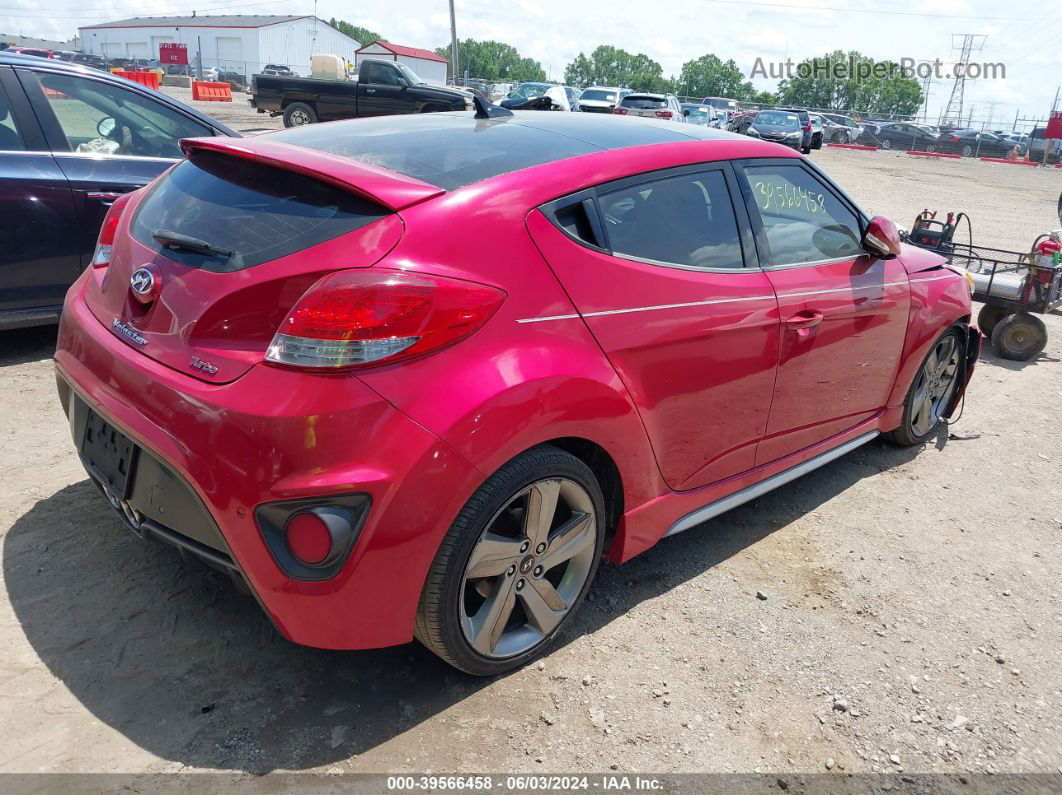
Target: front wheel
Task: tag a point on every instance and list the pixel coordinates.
(886, 144)
(931, 392)
(967, 151)
(515, 565)
(1020, 337)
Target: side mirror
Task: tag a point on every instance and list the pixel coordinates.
(686, 112)
(403, 82)
(882, 238)
(105, 126)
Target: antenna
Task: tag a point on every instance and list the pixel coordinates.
(488, 110)
(971, 42)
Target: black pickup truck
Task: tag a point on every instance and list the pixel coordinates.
(381, 88)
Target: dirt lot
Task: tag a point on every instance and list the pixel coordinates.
(910, 615)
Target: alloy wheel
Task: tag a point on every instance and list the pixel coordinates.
(528, 568)
(935, 385)
(967, 151)
(886, 144)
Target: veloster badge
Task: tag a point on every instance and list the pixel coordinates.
(128, 332)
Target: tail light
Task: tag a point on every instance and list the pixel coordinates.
(101, 257)
(953, 138)
(807, 127)
(620, 111)
(357, 318)
(663, 114)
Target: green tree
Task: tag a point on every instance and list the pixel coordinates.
(493, 60)
(763, 98)
(361, 35)
(708, 76)
(612, 66)
(853, 82)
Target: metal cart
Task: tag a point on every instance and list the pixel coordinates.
(1014, 287)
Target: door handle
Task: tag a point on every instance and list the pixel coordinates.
(370, 91)
(807, 319)
(108, 197)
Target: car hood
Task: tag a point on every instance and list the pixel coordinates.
(917, 260)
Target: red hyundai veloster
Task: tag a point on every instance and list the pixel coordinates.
(413, 376)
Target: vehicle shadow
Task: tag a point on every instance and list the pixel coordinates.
(24, 345)
(184, 666)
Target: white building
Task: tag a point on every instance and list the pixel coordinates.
(430, 66)
(238, 43)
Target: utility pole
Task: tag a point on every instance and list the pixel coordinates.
(926, 83)
(453, 43)
(971, 42)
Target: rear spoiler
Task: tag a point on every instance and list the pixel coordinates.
(388, 188)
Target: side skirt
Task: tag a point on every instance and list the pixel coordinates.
(713, 509)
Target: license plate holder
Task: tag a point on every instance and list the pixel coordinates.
(109, 454)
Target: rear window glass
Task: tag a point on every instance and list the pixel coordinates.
(643, 103)
(256, 212)
(775, 118)
(604, 96)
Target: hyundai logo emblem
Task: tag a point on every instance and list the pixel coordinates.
(142, 281)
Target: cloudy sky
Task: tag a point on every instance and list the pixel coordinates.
(1025, 35)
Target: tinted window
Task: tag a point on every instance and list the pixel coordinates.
(381, 74)
(684, 220)
(440, 149)
(10, 137)
(642, 102)
(777, 118)
(256, 212)
(803, 220)
(138, 124)
(604, 96)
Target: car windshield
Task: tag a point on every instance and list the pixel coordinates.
(413, 78)
(598, 94)
(531, 90)
(776, 118)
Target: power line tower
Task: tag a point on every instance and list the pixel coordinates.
(971, 43)
(927, 83)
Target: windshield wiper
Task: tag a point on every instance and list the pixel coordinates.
(177, 241)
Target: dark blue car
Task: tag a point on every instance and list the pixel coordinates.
(72, 140)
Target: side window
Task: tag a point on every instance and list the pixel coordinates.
(682, 220)
(382, 75)
(804, 222)
(102, 118)
(10, 138)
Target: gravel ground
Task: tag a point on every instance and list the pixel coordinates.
(897, 610)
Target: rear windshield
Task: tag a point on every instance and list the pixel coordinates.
(643, 102)
(256, 212)
(603, 96)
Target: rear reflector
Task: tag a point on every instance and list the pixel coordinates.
(357, 318)
(309, 538)
(101, 257)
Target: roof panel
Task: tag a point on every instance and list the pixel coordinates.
(401, 49)
(201, 21)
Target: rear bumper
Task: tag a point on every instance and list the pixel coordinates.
(278, 435)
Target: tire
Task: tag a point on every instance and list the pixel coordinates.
(919, 420)
(844, 138)
(298, 114)
(989, 317)
(816, 142)
(1019, 337)
(514, 568)
(805, 150)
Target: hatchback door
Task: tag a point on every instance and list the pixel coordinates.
(223, 246)
(843, 311)
(38, 254)
(656, 265)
